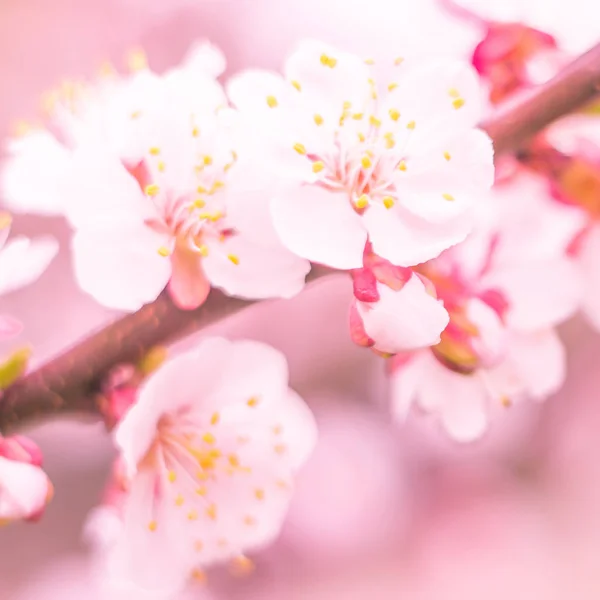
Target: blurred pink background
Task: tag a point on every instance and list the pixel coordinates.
(381, 511)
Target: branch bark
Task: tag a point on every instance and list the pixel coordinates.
(70, 382)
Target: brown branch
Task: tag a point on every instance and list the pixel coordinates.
(70, 382)
(518, 121)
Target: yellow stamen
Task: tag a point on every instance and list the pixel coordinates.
(363, 201)
(5, 220)
(300, 149)
(448, 197)
(447, 155)
(297, 85)
(318, 166)
(398, 61)
(209, 438)
(402, 165)
(366, 162)
(155, 151)
(272, 101)
(203, 249)
(161, 165)
(328, 61)
(195, 131)
(207, 160)
(234, 259)
(280, 448)
(373, 120)
(192, 515)
(164, 251)
(137, 60)
(453, 93)
(201, 491)
(215, 418)
(394, 114)
(211, 512)
(358, 116)
(361, 137)
(234, 461)
(199, 576)
(152, 525)
(392, 86)
(179, 500)
(252, 402)
(388, 201)
(260, 494)
(369, 61)
(152, 189)
(458, 103)
(411, 125)
(318, 119)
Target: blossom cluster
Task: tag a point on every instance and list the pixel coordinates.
(174, 183)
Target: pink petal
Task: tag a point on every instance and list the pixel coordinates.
(324, 88)
(241, 267)
(188, 285)
(205, 57)
(32, 177)
(423, 95)
(403, 320)
(179, 383)
(461, 402)
(9, 327)
(491, 341)
(540, 294)
(158, 560)
(119, 264)
(22, 261)
(430, 177)
(406, 380)
(100, 187)
(253, 370)
(588, 259)
(320, 226)
(24, 489)
(540, 360)
(405, 240)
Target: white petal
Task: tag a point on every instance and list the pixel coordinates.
(540, 294)
(403, 320)
(405, 240)
(320, 226)
(243, 268)
(118, 263)
(23, 489)
(33, 175)
(23, 260)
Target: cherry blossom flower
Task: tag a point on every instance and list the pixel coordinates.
(504, 289)
(22, 261)
(151, 187)
(562, 20)
(396, 160)
(394, 309)
(210, 451)
(24, 487)
(571, 160)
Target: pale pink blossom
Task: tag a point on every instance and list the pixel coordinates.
(210, 450)
(394, 309)
(24, 487)
(158, 194)
(22, 261)
(397, 160)
(505, 289)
